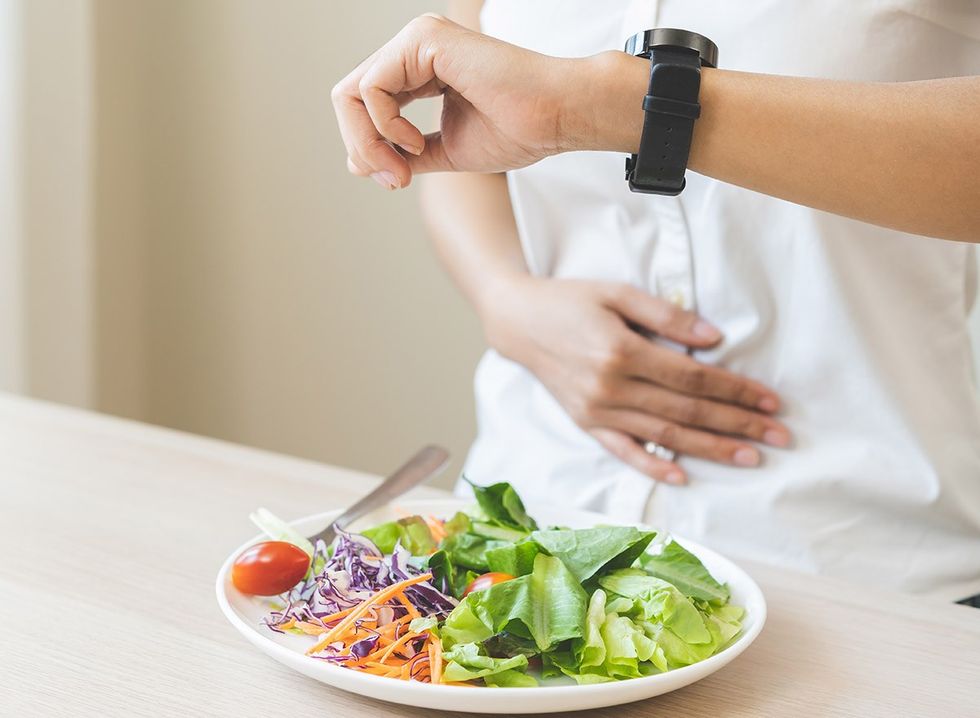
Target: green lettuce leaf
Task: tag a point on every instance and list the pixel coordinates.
(683, 630)
(465, 662)
(443, 571)
(678, 566)
(547, 605)
(510, 679)
(587, 552)
(612, 647)
(655, 600)
(458, 524)
(469, 550)
(412, 532)
(517, 559)
(493, 531)
(590, 650)
(278, 530)
(463, 580)
(423, 623)
(502, 506)
(676, 651)
(725, 622)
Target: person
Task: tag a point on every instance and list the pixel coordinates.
(780, 347)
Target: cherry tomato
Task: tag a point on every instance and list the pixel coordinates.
(486, 581)
(269, 568)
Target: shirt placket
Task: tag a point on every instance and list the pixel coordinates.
(670, 276)
(672, 271)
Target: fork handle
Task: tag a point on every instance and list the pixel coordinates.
(426, 463)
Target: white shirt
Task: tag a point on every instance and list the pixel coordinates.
(861, 330)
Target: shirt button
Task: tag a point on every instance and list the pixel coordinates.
(677, 298)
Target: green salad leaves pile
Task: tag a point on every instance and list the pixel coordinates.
(596, 605)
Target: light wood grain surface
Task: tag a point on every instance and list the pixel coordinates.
(111, 533)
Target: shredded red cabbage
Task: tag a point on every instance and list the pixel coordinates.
(356, 570)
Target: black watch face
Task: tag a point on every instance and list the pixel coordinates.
(641, 43)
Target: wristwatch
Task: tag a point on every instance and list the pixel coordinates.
(670, 106)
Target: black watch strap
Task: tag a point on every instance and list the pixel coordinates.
(670, 109)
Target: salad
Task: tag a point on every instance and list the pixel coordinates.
(490, 598)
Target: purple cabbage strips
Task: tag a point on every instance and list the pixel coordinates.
(356, 570)
(363, 647)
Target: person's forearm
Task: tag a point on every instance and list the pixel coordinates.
(900, 155)
(471, 224)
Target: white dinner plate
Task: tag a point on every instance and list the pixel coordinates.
(246, 613)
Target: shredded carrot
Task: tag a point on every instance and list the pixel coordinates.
(436, 528)
(394, 625)
(393, 656)
(310, 628)
(406, 671)
(397, 644)
(381, 596)
(288, 624)
(435, 659)
(412, 611)
(335, 616)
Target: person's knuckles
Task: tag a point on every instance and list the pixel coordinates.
(664, 316)
(664, 433)
(694, 412)
(582, 410)
(740, 391)
(597, 391)
(614, 354)
(693, 378)
(722, 450)
(752, 426)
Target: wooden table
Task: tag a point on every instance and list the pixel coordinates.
(111, 533)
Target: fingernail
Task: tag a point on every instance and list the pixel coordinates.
(414, 149)
(768, 403)
(706, 331)
(776, 437)
(675, 477)
(746, 456)
(385, 179)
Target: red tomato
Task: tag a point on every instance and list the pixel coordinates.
(486, 581)
(269, 568)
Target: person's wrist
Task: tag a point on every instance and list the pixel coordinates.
(602, 109)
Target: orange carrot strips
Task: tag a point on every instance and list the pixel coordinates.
(435, 659)
(412, 611)
(381, 596)
(397, 644)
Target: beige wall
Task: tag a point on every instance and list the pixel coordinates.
(242, 285)
(55, 197)
(11, 290)
(287, 305)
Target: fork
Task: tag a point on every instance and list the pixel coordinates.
(426, 463)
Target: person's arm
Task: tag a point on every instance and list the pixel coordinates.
(902, 155)
(576, 338)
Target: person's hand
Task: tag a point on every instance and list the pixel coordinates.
(502, 109)
(578, 338)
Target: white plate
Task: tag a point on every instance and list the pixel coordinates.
(245, 614)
